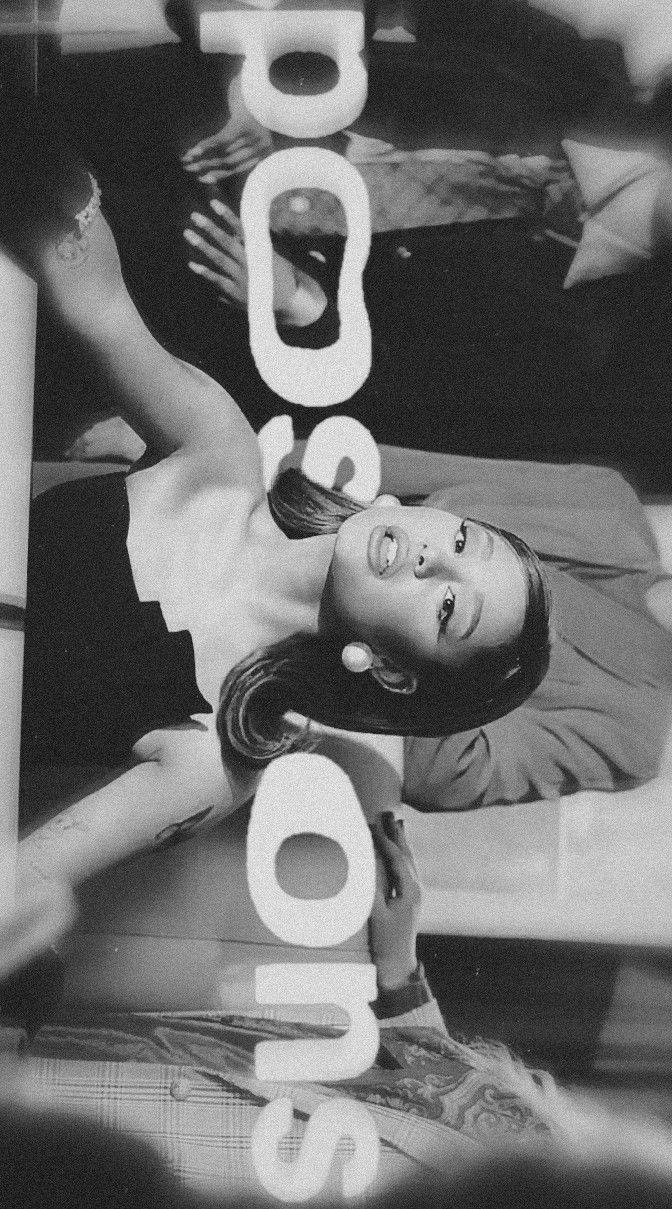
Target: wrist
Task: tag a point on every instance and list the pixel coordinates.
(413, 993)
(394, 975)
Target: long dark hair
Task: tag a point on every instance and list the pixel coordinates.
(305, 674)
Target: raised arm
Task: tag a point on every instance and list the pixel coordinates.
(173, 408)
(179, 786)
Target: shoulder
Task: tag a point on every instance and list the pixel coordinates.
(193, 479)
(190, 754)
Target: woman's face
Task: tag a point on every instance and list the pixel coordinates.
(419, 585)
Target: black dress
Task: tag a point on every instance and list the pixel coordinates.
(101, 668)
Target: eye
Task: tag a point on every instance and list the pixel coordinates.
(461, 539)
(446, 611)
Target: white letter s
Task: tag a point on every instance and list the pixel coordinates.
(306, 1176)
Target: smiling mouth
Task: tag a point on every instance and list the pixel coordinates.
(387, 550)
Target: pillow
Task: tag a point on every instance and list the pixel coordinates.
(89, 26)
(620, 190)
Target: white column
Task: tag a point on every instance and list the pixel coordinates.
(18, 294)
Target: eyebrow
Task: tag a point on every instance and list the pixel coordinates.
(489, 542)
(475, 616)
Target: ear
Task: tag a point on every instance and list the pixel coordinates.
(386, 501)
(394, 679)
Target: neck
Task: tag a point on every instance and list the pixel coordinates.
(296, 582)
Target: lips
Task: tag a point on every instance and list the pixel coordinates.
(387, 550)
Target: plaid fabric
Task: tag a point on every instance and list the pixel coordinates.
(186, 1085)
(201, 1125)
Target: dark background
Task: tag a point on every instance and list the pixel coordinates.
(477, 348)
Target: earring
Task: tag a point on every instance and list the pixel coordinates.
(357, 657)
(386, 501)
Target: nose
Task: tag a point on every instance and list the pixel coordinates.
(431, 561)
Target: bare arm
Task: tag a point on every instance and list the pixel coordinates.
(172, 408)
(179, 786)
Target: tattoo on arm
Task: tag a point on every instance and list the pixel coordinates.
(73, 249)
(55, 828)
(175, 833)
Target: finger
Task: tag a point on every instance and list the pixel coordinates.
(230, 287)
(202, 270)
(238, 141)
(390, 855)
(230, 295)
(205, 145)
(403, 844)
(382, 885)
(222, 174)
(226, 264)
(228, 214)
(218, 279)
(382, 892)
(231, 244)
(244, 152)
(399, 857)
(203, 165)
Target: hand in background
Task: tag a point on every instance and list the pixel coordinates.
(236, 148)
(297, 299)
(393, 925)
(109, 440)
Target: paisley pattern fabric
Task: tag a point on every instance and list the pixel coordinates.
(417, 1070)
(435, 187)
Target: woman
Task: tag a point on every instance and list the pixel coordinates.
(602, 717)
(172, 622)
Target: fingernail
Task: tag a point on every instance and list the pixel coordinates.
(191, 237)
(208, 179)
(218, 206)
(195, 268)
(198, 219)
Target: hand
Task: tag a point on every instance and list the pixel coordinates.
(393, 925)
(236, 148)
(110, 440)
(226, 252)
(40, 916)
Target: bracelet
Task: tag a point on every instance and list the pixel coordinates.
(86, 216)
(414, 993)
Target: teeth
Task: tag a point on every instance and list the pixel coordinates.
(389, 549)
